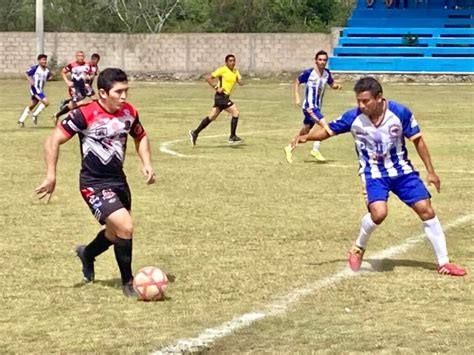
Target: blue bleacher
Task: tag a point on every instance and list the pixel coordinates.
(425, 37)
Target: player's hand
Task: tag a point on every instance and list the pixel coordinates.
(46, 188)
(433, 179)
(220, 90)
(150, 175)
(70, 84)
(298, 103)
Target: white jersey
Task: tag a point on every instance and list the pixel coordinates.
(381, 150)
(314, 86)
(39, 76)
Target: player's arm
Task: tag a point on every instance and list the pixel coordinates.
(424, 154)
(317, 133)
(51, 155)
(296, 92)
(335, 86)
(211, 81)
(64, 73)
(142, 146)
(30, 79)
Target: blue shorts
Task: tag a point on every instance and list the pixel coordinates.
(37, 94)
(409, 188)
(311, 116)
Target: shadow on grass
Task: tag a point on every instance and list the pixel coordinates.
(314, 161)
(385, 265)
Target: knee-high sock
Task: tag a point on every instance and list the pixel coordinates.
(204, 123)
(99, 245)
(123, 255)
(367, 227)
(435, 234)
(316, 145)
(233, 126)
(25, 114)
(40, 108)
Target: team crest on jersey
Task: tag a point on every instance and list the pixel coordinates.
(394, 130)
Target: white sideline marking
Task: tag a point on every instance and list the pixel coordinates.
(281, 305)
(165, 146)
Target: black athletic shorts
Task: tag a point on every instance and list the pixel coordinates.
(79, 91)
(222, 101)
(104, 201)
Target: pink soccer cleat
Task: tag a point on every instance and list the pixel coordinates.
(451, 269)
(356, 255)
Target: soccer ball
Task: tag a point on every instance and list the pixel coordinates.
(150, 284)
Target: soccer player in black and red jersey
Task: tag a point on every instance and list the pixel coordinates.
(103, 127)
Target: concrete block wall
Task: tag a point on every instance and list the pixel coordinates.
(170, 53)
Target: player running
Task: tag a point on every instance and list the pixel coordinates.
(315, 80)
(103, 127)
(227, 76)
(379, 128)
(37, 76)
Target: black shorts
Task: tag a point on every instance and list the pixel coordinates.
(222, 101)
(79, 90)
(104, 201)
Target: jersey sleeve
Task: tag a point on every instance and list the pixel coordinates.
(136, 130)
(68, 68)
(218, 72)
(237, 73)
(73, 123)
(31, 71)
(342, 124)
(303, 77)
(330, 78)
(411, 130)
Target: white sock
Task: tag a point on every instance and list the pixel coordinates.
(292, 148)
(316, 145)
(367, 227)
(25, 114)
(435, 234)
(40, 108)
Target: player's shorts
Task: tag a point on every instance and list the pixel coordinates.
(409, 188)
(78, 91)
(311, 116)
(37, 94)
(222, 101)
(103, 202)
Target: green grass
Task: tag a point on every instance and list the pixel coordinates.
(239, 228)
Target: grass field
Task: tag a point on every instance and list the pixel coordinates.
(240, 229)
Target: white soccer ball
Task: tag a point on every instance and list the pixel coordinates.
(150, 284)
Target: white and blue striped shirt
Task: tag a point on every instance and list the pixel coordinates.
(314, 86)
(381, 150)
(39, 76)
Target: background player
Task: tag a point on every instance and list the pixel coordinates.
(37, 76)
(78, 71)
(227, 76)
(103, 127)
(379, 127)
(315, 80)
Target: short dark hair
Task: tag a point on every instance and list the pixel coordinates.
(95, 56)
(41, 56)
(321, 53)
(109, 76)
(228, 56)
(368, 83)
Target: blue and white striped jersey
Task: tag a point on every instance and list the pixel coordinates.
(314, 86)
(39, 76)
(381, 150)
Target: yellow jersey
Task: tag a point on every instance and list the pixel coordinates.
(227, 78)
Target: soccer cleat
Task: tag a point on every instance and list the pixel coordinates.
(451, 269)
(21, 124)
(235, 140)
(317, 155)
(35, 119)
(87, 265)
(356, 254)
(128, 290)
(193, 137)
(288, 154)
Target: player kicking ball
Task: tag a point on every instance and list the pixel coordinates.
(379, 128)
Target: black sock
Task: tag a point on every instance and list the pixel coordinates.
(123, 255)
(233, 126)
(65, 110)
(98, 245)
(204, 123)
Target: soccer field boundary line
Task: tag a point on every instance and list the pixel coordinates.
(282, 305)
(165, 146)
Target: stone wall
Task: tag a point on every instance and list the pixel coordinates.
(170, 53)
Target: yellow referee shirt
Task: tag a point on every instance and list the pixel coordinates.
(227, 78)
